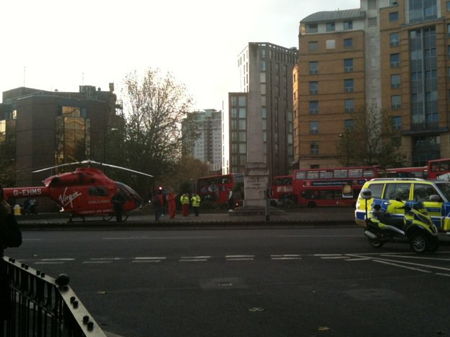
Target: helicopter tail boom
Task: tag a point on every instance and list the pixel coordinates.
(25, 192)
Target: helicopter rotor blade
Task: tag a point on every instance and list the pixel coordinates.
(125, 169)
(56, 166)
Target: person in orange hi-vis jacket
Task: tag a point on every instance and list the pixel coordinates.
(172, 204)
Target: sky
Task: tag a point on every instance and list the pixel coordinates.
(61, 44)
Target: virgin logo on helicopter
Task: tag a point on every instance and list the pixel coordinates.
(83, 192)
(66, 200)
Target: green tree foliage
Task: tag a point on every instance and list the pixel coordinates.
(371, 140)
(185, 174)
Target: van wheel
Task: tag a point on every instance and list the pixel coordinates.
(419, 243)
(375, 243)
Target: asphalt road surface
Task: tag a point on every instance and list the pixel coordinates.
(258, 282)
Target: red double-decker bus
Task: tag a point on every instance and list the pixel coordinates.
(217, 188)
(282, 190)
(407, 172)
(438, 168)
(338, 186)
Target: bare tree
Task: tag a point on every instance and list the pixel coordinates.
(154, 108)
(371, 140)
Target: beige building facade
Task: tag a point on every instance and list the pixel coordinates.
(388, 56)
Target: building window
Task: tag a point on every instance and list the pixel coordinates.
(242, 113)
(330, 27)
(313, 87)
(348, 65)
(349, 105)
(448, 6)
(348, 85)
(313, 107)
(396, 102)
(395, 60)
(348, 25)
(242, 124)
(393, 16)
(242, 101)
(421, 10)
(397, 122)
(394, 39)
(373, 21)
(314, 127)
(313, 67)
(312, 28)
(395, 81)
(242, 148)
(314, 148)
(349, 123)
(372, 4)
(313, 45)
(262, 65)
(348, 43)
(330, 44)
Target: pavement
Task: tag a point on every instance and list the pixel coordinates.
(208, 218)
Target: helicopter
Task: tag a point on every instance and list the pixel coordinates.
(86, 191)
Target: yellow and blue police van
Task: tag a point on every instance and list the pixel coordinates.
(434, 195)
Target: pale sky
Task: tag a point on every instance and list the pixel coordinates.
(60, 44)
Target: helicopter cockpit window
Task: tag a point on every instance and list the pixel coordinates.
(98, 191)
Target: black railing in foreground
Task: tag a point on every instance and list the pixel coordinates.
(41, 306)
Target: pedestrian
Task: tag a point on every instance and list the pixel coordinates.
(10, 236)
(158, 203)
(231, 202)
(117, 201)
(195, 202)
(184, 200)
(172, 203)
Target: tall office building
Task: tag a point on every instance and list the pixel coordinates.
(207, 146)
(387, 55)
(266, 84)
(51, 128)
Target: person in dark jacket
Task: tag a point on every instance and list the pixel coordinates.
(118, 200)
(10, 236)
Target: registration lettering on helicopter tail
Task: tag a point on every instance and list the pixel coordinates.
(27, 192)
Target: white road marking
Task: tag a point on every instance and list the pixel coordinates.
(49, 262)
(240, 259)
(106, 259)
(96, 262)
(285, 257)
(239, 256)
(63, 259)
(146, 261)
(401, 266)
(150, 258)
(193, 260)
(442, 274)
(359, 259)
(333, 257)
(415, 264)
(417, 257)
(320, 255)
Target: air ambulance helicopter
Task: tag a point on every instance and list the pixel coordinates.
(87, 191)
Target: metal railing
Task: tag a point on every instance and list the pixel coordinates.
(33, 304)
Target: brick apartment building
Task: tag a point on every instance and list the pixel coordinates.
(51, 128)
(386, 55)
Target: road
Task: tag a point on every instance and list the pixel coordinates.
(258, 282)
